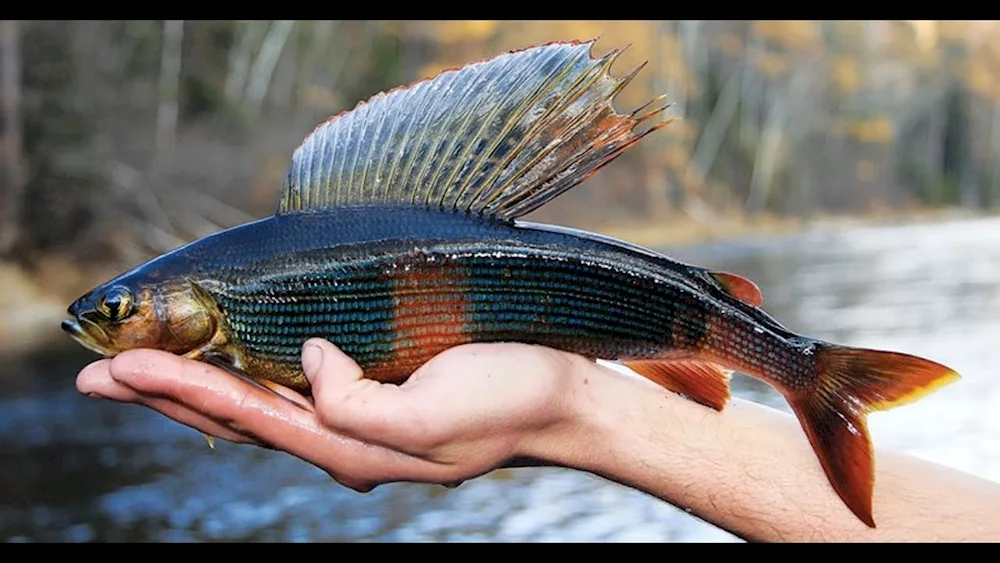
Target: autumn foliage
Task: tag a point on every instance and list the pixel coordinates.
(165, 131)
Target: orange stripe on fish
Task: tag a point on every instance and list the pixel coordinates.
(429, 317)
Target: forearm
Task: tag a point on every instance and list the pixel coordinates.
(751, 471)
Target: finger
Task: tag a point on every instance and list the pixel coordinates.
(199, 422)
(95, 380)
(202, 388)
(362, 408)
(256, 412)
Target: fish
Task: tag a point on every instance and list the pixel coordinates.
(399, 234)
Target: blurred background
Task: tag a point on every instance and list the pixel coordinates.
(850, 168)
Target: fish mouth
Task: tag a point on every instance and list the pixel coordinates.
(88, 335)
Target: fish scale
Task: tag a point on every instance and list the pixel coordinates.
(360, 306)
(398, 235)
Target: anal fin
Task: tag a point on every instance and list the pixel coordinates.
(703, 382)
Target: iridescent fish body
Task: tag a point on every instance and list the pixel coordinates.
(397, 237)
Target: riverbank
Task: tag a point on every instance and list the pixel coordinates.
(688, 229)
(33, 303)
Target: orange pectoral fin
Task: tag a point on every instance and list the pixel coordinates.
(704, 382)
(222, 362)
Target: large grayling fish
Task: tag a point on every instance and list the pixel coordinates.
(396, 238)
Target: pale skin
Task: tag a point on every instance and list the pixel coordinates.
(472, 409)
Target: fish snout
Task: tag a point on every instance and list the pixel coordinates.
(71, 326)
(87, 334)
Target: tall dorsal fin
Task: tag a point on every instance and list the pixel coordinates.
(498, 138)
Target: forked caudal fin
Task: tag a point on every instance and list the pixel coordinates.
(851, 383)
(497, 138)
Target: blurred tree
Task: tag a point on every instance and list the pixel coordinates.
(12, 191)
(130, 137)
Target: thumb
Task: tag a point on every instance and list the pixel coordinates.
(324, 364)
(349, 403)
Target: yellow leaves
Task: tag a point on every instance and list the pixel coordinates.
(479, 29)
(925, 33)
(526, 33)
(972, 33)
(981, 72)
(772, 64)
(910, 42)
(465, 41)
(982, 79)
(794, 35)
(649, 42)
(461, 42)
(434, 68)
(462, 31)
(875, 130)
(731, 44)
(639, 36)
(952, 31)
(846, 75)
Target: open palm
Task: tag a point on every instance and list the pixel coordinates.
(467, 411)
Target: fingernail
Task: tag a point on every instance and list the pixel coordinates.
(312, 360)
(93, 395)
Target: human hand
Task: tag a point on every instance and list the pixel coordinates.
(475, 407)
(466, 412)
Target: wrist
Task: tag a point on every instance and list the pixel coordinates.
(630, 431)
(590, 416)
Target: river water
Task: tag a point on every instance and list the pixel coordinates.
(78, 469)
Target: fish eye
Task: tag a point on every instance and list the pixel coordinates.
(116, 304)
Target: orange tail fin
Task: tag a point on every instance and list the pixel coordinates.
(853, 382)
